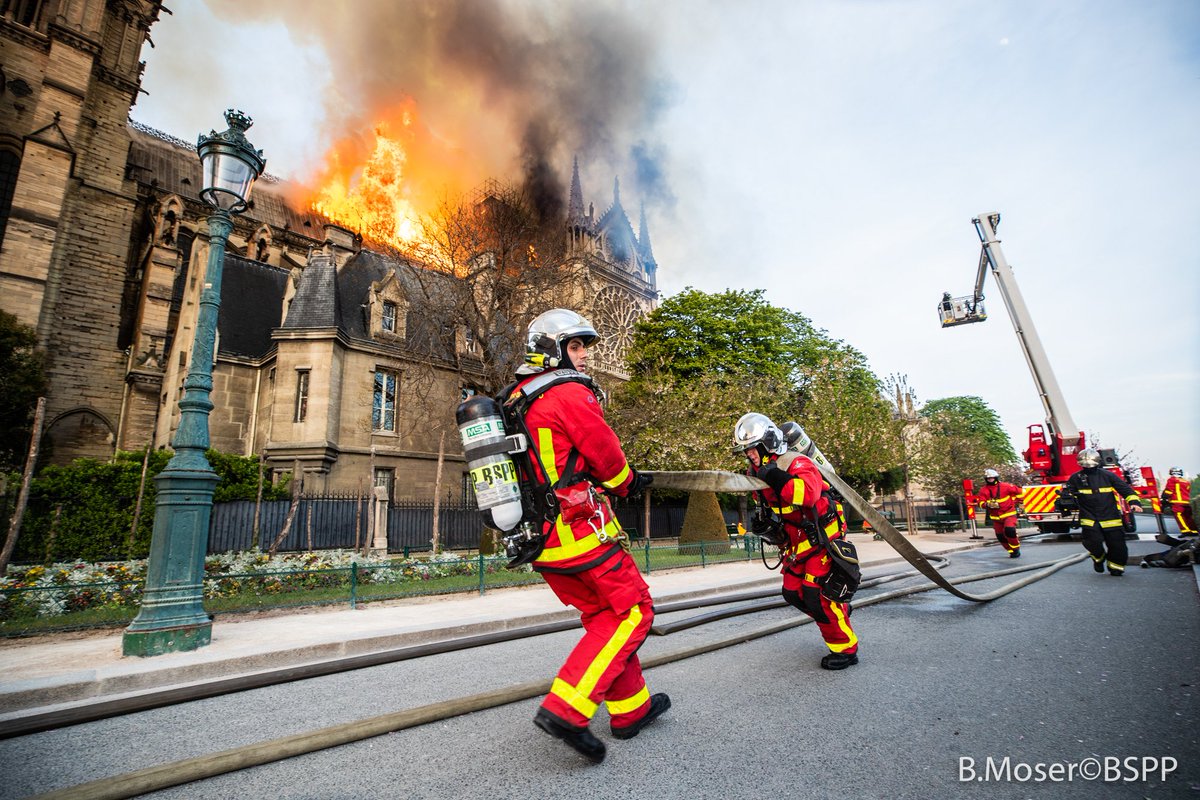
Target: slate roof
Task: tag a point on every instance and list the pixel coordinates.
(251, 306)
(421, 287)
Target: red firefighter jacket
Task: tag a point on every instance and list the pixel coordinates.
(1004, 495)
(1177, 491)
(568, 417)
(794, 503)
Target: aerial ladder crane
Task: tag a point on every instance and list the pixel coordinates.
(1052, 451)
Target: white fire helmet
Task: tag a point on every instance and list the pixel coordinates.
(1088, 458)
(1177, 472)
(757, 429)
(991, 474)
(546, 340)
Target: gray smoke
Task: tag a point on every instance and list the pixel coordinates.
(527, 84)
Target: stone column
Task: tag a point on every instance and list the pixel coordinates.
(379, 545)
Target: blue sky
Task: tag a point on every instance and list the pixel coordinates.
(834, 153)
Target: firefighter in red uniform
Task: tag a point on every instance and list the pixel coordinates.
(795, 490)
(1179, 494)
(999, 500)
(583, 560)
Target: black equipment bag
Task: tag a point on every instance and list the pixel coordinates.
(845, 574)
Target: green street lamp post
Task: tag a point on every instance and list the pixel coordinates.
(172, 616)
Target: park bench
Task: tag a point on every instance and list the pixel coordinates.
(944, 520)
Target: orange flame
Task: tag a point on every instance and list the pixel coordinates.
(381, 185)
(369, 197)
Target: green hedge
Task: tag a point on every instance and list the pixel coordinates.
(84, 511)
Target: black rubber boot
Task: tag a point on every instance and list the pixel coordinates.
(1015, 554)
(659, 703)
(839, 660)
(581, 739)
(1098, 566)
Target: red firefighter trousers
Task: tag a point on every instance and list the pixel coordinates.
(1183, 515)
(617, 611)
(1006, 533)
(802, 589)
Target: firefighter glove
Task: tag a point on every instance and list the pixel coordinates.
(773, 476)
(640, 481)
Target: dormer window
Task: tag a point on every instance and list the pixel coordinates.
(388, 318)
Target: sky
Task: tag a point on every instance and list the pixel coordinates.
(831, 153)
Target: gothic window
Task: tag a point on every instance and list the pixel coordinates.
(301, 396)
(614, 313)
(388, 319)
(22, 12)
(260, 244)
(10, 165)
(383, 407)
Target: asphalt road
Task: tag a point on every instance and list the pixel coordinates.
(1077, 666)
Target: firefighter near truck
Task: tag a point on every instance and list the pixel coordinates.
(1053, 447)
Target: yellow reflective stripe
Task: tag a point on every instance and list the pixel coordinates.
(1132, 497)
(808, 576)
(1110, 523)
(783, 509)
(1108, 489)
(1005, 515)
(1084, 491)
(546, 453)
(618, 480)
(604, 659)
(630, 704)
(570, 547)
(1115, 567)
(571, 696)
(1086, 521)
(803, 547)
(845, 628)
(798, 490)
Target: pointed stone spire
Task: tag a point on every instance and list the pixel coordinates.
(644, 238)
(575, 205)
(616, 192)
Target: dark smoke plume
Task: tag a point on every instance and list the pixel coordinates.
(519, 86)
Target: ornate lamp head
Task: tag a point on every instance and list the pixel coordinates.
(230, 164)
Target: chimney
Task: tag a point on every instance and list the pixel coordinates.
(341, 242)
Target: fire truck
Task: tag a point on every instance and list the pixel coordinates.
(1052, 447)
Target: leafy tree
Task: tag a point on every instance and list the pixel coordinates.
(959, 437)
(22, 381)
(971, 416)
(700, 361)
(727, 334)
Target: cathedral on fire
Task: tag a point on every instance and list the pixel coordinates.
(324, 343)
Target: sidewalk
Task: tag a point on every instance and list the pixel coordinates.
(71, 667)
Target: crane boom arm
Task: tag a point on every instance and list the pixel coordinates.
(1058, 417)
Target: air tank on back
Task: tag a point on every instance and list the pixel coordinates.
(493, 474)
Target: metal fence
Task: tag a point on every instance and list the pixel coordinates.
(343, 521)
